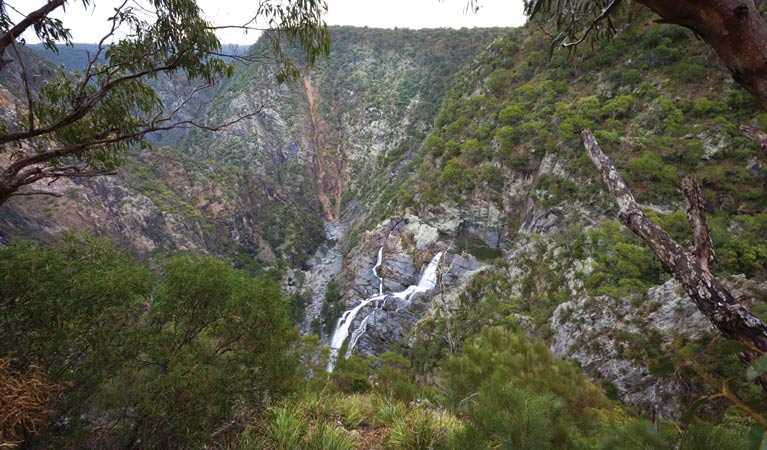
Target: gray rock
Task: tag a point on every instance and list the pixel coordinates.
(593, 332)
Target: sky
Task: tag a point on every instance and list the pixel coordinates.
(89, 25)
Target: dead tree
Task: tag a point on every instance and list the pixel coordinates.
(732, 319)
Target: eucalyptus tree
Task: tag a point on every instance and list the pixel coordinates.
(734, 29)
(82, 124)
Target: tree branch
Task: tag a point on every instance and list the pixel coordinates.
(30, 173)
(32, 18)
(25, 80)
(81, 110)
(701, 239)
(605, 14)
(731, 318)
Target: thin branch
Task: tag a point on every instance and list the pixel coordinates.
(32, 18)
(99, 50)
(32, 174)
(25, 80)
(702, 243)
(604, 14)
(80, 110)
(726, 392)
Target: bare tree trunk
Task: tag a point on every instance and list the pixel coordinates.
(701, 239)
(756, 135)
(732, 319)
(733, 28)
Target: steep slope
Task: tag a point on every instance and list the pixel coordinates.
(503, 178)
(359, 111)
(261, 189)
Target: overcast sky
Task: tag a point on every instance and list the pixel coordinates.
(89, 25)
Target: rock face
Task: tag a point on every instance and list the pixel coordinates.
(263, 186)
(602, 334)
(407, 247)
(390, 322)
(323, 268)
(481, 220)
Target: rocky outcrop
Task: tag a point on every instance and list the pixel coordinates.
(479, 220)
(605, 336)
(323, 268)
(392, 324)
(407, 246)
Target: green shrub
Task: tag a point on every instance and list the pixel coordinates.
(511, 113)
(329, 437)
(423, 429)
(513, 418)
(498, 357)
(618, 107)
(704, 107)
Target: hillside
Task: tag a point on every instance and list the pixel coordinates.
(259, 190)
(503, 181)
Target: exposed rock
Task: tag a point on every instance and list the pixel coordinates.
(324, 267)
(597, 333)
(479, 220)
(393, 324)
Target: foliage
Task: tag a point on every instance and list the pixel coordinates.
(352, 374)
(513, 418)
(82, 124)
(623, 264)
(214, 328)
(332, 308)
(501, 370)
(185, 353)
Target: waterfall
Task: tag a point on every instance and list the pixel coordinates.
(427, 282)
(342, 329)
(375, 270)
(357, 334)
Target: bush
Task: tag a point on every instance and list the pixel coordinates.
(702, 106)
(513, 418)
(500, 359)
(423, 429)
(184, 352)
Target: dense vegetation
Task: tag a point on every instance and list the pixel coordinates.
(660, 111)
(163, 358)
(656, 107)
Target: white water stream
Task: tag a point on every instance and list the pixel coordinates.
(427, 282)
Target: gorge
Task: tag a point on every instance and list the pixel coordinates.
(417, 191)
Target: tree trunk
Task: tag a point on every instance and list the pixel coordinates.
(704, 246)
(733, 28)
(758, 136)
(731, 318)
(6, 190)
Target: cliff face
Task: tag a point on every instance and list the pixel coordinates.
(261, 188)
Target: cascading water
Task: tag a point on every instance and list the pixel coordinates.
(427, 282)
